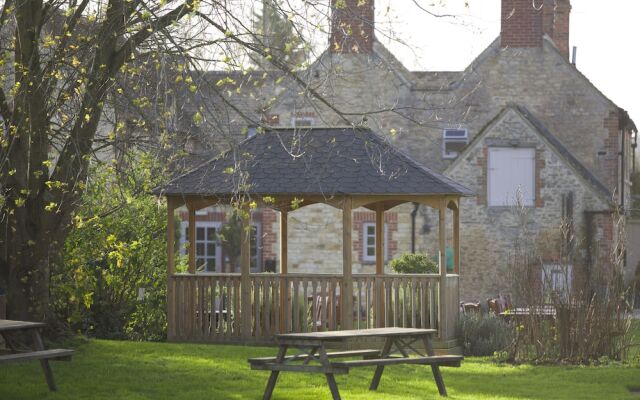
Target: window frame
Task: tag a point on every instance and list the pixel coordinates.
(218, 249)
(462, 139)
(365, 257)
(257, 226)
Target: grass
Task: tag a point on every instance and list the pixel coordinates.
(104, 369)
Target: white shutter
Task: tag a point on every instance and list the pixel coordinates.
(508, 170)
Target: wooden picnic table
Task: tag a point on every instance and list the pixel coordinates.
(399, 348)
(38, 351)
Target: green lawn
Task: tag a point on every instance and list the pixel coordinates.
(129, 370)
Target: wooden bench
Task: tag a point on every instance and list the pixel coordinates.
(39, 353)
(366, 354)
(51, 354)
(443, 361)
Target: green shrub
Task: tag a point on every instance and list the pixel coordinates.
(483, 335)
(410, 263)
(111, 282)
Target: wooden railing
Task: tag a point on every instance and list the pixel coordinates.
(207, 307)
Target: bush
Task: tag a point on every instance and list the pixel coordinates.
(410, 263)
(483, 335)
(111, 282)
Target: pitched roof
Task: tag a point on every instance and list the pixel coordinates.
(583, 171)
(320, 161)
(550, 138)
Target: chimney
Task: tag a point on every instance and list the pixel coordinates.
(525, 21)
(352, 26)
(555, 23)
(521, 23)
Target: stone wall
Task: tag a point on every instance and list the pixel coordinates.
(488, 233)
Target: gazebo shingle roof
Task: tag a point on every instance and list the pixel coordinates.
(318, 161)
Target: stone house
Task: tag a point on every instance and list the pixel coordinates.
(519, 121)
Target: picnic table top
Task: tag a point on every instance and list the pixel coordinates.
(9, 325)
(356, 333)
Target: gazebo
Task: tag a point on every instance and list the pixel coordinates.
(288, 169)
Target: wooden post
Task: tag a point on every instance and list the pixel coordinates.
(284, 260)
(192, 238)
(245, 270)
(379, 303)
(171, 268)
(456, 239)
(284, 244)
(442, 319)
(347, 278)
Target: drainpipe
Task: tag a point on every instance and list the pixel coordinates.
(622, 170)
(414, 213)
(634, 146)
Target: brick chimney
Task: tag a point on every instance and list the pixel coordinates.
(555, 23)
(521, 23)
(525, 21)
(352, 26)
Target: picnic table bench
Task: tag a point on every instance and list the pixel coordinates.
(312, 356)
(38, 352)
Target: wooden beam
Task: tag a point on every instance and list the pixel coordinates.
(442, 235)
(171, 237)
(379, 239)
(379, 291)
(192, 238)
(456, 241)
(284, 242)
(347, 275)
(394, 200)
(284, 261)
(245, 270)
(171, 268)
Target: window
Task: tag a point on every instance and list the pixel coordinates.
(556, 280)
(369, 241)
(256, 248)
(509, 171)
(302, 122)
(453, 141)
(208, 250)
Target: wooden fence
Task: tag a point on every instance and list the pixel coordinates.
(207, 307)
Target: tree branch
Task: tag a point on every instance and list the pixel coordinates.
(281, 66)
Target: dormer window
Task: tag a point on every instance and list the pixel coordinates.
(453, 141)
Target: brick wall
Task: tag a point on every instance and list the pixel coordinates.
(269, 236)
(525, 21)
(555, 23)
(352, 26)
(521, 23)
(610, 159)
(362, 217)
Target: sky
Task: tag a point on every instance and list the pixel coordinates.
(606, 36)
